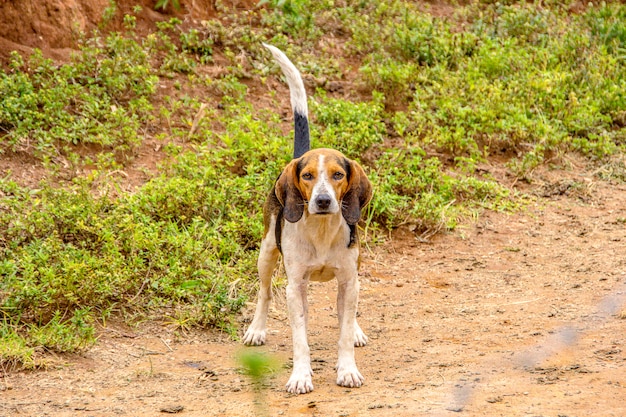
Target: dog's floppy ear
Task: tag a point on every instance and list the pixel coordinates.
(357, 196)
(288, 194)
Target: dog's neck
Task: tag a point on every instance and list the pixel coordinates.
(324, 230)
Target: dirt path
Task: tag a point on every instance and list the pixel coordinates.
(516, 315)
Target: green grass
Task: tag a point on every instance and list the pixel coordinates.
(429, 100)
(100, 98)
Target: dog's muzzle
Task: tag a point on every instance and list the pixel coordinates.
(322, 202)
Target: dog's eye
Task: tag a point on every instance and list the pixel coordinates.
(338, 175)
(307, 176)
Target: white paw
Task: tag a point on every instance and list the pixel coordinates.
(254, 337)
(360, 339)
(349, 377)
(300, 382)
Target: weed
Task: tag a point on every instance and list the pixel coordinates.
(258, 367)
(162, 4)
(613, 170)
(291, 16)
(427, 198)
(108, 14)
(15, 353)
(65, 335)
(607, 24)
(193, 42)
(100, 99)
(349, 127)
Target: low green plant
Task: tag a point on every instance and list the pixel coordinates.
(68, 250)
(411, 188)
(394, 79)
(291, 16)
(521, 83)
(607, 25)
(163, 4)
(15, 352)
(258, 366)
(65, 335)
(194, 42)
(185, 242)
(108, 14)
(350, 127)
(100, 98)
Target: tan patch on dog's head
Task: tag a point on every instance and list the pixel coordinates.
(336, 169)
(295, 185)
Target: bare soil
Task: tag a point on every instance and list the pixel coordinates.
(516, 314)
(509, 315)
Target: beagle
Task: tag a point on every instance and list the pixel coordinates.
(310, 217)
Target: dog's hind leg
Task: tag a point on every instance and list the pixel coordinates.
(349, 331)
(268, 256)
(360, 339)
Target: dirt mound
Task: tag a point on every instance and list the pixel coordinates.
(55, 26)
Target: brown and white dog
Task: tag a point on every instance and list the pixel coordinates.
(310, 218)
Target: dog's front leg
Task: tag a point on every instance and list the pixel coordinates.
(347, 299)
(301, 380)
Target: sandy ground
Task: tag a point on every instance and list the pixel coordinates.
(515, 315)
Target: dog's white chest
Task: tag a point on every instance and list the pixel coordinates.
(320, 248)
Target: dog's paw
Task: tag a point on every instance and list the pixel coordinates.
(360, 339)
(300, 383)
(254, 337)
(349, 377)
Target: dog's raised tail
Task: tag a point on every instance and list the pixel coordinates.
(302, 141)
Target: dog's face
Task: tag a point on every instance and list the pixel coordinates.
(325, 182)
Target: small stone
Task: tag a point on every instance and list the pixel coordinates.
(172, 409)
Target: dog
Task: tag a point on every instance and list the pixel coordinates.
(310, 217)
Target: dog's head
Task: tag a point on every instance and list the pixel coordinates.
(325, 182)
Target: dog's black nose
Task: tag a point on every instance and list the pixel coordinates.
(323, 201)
